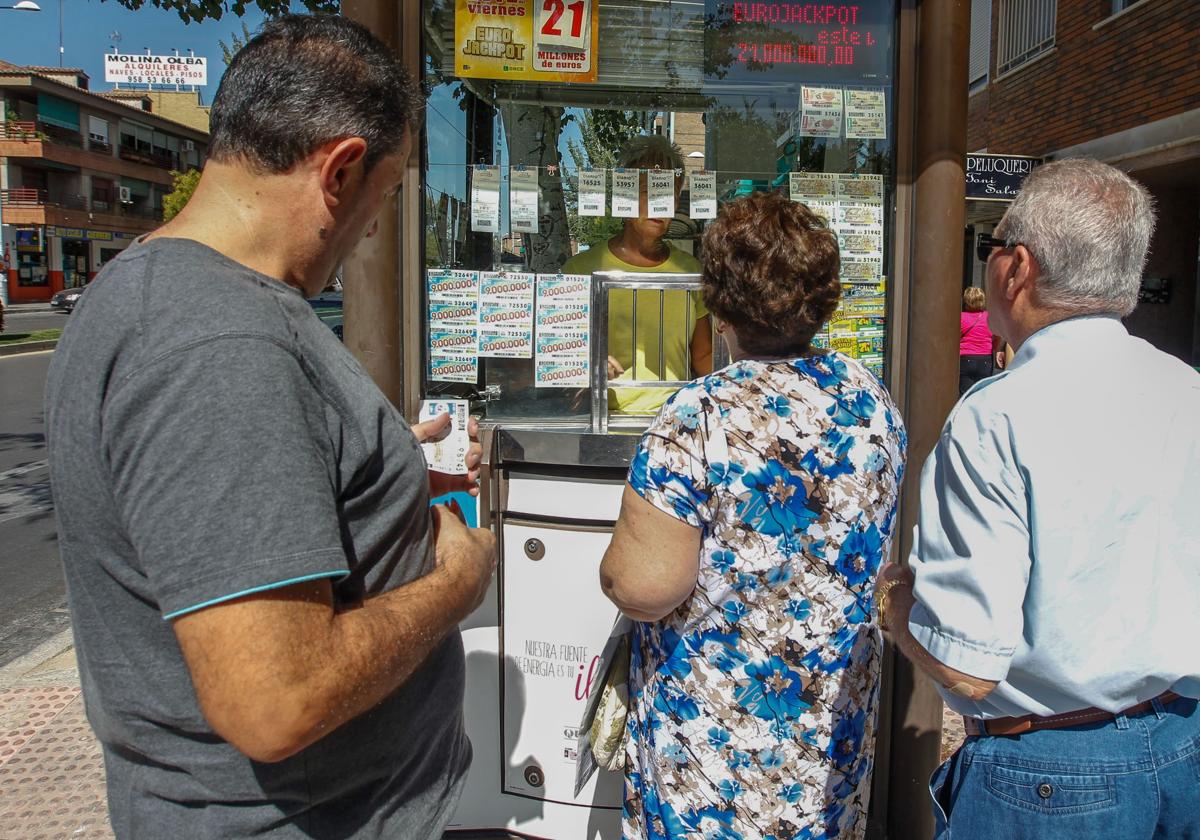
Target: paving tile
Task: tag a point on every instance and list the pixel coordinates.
(51, 767)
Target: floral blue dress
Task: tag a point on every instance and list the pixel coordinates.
(752, 706)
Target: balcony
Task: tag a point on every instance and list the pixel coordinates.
(162, 160)
(38, 207)
(27, 139)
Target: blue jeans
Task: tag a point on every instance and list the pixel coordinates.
(1133, 778)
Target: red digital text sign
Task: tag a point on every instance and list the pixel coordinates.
(747, 41)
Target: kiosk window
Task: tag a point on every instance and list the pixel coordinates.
(789, 97)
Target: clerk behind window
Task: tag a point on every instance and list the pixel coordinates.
(640, 248)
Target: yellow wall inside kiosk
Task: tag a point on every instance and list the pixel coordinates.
(678, 322)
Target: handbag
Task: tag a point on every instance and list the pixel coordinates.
(602, 731)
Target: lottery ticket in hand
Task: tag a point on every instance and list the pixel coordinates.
(448, 453)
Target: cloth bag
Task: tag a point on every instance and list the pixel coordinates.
(602, 730)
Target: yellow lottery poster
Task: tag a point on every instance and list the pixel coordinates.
(530, 40)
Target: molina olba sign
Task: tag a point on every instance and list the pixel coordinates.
(997, 177)
(155, 69)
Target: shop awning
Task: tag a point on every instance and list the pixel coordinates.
(58, 112)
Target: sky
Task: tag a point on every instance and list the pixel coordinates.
(32, 37)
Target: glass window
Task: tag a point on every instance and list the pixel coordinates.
(1027, 30)
(981, 42)
(751, 93)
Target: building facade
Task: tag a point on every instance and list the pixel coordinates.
(81, 175)
(1116, 80)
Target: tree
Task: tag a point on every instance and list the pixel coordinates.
(602, 134)
(183, 186)
(198, 10)
(228, 51)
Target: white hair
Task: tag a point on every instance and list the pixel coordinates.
(1089, 226)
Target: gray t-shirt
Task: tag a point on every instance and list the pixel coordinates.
(209, 437)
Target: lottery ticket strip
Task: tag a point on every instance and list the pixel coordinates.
(51, 770)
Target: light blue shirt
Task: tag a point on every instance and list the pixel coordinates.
(1058, 545)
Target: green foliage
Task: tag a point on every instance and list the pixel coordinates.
(602, 134)
(182, 187)
(228, 51)
(198, 10)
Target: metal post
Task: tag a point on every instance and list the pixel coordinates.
(372, 289)
(930, 361)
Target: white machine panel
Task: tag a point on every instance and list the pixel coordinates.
(555, 621)
(565, 498)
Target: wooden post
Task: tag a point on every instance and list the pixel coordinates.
(383, 273)
(934, 177)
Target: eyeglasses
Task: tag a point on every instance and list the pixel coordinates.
(986, 242)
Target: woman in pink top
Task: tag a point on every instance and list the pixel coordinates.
(977, 347)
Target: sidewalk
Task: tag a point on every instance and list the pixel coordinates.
(51, 770)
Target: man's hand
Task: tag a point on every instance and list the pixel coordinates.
(442, 483)
(467, 554)
(1001, 359)
(900, 601)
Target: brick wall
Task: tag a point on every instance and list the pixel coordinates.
(977, 127)
(1138, 68)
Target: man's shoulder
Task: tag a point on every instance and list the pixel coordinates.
(174, 293)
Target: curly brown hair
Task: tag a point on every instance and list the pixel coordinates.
(771, 271)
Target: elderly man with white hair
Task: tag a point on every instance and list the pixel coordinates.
(1053, 591)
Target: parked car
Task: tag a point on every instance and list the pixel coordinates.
(328, 306)
(66, 299)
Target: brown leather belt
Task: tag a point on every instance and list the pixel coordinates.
(1032, 723)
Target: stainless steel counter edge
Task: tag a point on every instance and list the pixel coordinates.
(565, 448)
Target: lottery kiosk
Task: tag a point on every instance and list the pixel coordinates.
(531, 106)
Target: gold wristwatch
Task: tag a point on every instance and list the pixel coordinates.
(881, 599)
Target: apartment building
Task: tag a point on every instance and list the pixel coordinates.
(81, 175)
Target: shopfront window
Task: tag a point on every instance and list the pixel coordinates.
(545, 127)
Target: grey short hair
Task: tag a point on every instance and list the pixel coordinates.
(305, 80)
(1089, 226)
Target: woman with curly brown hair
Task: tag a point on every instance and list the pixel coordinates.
(759, 507)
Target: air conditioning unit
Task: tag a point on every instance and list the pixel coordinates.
(189, 145)
(125, 196)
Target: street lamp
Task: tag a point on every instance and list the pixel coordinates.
(24, 6)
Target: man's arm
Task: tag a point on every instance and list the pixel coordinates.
(653, 561)
(277, 671)
(900, 602)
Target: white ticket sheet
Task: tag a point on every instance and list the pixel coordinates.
(523, 194)
(447, 453)
(485, 198)
(593, 191)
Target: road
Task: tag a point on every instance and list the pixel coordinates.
(33, 601)
(28, 320)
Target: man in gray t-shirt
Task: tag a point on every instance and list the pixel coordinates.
(265, 610)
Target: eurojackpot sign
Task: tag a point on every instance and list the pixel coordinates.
(997, 177)
(155, 69)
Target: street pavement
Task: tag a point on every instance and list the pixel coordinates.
(33, 596)
(27, 319)
(51, 766)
